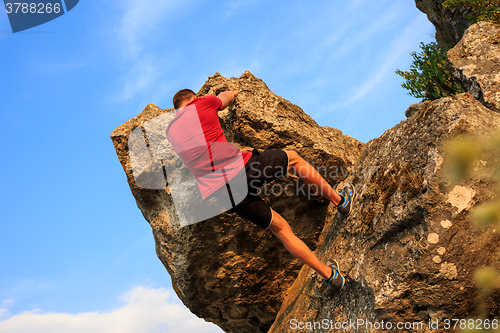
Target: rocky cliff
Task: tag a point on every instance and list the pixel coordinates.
(409, 249)
(450, 24)
(475, 63)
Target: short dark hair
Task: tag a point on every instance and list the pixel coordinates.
(181, 96)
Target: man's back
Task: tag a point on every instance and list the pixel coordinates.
(197, 137)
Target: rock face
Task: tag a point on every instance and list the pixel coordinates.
(450, 23)
(415, 108)
(408, 250)
(224, 269)
(475, 63)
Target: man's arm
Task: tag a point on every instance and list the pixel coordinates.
(227, 98)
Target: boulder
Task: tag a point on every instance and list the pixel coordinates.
(225, 269)
(409, 249)
(475, 63)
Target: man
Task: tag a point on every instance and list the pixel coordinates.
(197, 137)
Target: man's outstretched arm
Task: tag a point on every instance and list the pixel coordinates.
(227, 97)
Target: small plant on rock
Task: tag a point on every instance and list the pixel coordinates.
(484, 10)
(428, 77)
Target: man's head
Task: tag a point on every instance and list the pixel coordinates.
(182, 97)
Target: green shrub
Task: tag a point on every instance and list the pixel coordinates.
(428, 77)
(484, 10)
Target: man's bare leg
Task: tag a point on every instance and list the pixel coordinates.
(311, 177)
(281, 228)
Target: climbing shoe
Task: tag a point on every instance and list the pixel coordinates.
(347, 195)
(336, 281)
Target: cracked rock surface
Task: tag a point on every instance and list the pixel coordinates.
(450, 24)
(409, 249)
(475, 62)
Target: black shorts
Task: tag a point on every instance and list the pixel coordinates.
(263, 167)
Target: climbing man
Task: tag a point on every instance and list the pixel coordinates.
(199, 141)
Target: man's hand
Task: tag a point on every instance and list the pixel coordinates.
(227, 97)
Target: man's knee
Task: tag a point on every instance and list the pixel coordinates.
(293, 157)
(278, 223)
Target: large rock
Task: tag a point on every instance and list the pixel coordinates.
(224, 269)
(409, 249)
(450, 24)
(475, 63)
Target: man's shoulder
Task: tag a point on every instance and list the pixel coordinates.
(209, 98)
(209, 101)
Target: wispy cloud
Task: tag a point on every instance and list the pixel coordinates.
(398, 48)
(138, 78)
(53, 67)
(366, 33)
(234, 6)
(145, 311)
(141, 28)
(4, 308)
(143, 21)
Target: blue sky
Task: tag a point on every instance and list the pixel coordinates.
(75, 252)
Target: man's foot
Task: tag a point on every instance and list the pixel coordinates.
(347, 195)
(336, 281)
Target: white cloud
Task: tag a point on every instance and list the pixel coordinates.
(234, 6)
(145, 311)
(52, 67)
(139, 77)
(361, 34)
(4, 312)
(136, 34)
(142, 21)
(399, 47)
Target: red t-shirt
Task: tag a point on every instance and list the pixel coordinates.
(197, 137)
